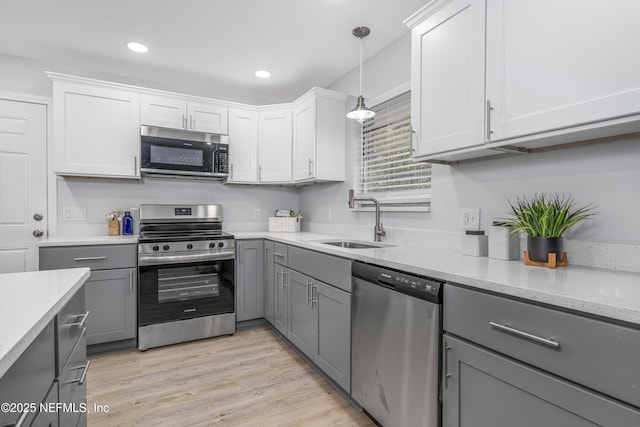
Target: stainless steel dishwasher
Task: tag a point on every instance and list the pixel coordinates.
(396, 333)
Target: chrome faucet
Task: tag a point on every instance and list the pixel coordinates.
(378, 230)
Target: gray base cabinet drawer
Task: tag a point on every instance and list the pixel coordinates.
(72, 386)
(593, 353)
(50, 418)
(98, 257)
(484, 389)
(70, 325)
(280, 253)
(30, 377)
(333, 270)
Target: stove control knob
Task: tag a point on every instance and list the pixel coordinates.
(212, 245)
(165, 247)
(155, 248)
(221, 244)
(189, 246)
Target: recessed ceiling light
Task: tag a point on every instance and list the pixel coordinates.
(137, 47)
(263, 74)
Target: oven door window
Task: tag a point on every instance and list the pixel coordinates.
(188, 283)
(182, 291)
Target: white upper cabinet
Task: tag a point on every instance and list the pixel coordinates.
(183, 113)
(96, 128)
(447, 78)
(319, 136)
(274, 145)
(553, 64)
(243, 146)
(555, 72)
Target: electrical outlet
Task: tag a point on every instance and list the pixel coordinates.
(470, 218)
(329, 214)
(256, 214)
(73, 214)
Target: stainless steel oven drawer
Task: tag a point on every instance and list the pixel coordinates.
(592, 352)
(98, 257)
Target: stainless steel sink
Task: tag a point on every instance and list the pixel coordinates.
(353, 244)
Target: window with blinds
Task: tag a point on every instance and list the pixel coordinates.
(386, 170)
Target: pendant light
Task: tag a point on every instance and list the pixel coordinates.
(361, 112)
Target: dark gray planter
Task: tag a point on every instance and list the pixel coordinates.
(540, 247)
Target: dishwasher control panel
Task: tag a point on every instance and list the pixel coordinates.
(409, 283)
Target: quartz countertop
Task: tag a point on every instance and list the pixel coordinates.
(28, 302)
(605, 293)
(88, 240)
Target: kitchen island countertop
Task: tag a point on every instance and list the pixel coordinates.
(28, 302)
(604, 293)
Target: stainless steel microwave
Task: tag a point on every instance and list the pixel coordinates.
(180, 154)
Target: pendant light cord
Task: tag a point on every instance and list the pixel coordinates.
(361, 49)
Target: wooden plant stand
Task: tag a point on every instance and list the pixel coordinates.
(551, 260)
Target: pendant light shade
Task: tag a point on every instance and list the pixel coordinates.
(361, 112)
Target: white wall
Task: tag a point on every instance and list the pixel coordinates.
(606, 174)
(101, 196)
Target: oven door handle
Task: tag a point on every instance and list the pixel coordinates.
(182, 259)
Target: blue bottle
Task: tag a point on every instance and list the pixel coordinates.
(127, 223)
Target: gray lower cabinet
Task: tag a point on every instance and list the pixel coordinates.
(249, 280)
(508, 362)
(485, 389)
(319, 325)
(111, 300)
(281, 299)
(111, 290)
(301, 327)
(269, 281)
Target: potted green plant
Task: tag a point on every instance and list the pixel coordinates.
(545, 219)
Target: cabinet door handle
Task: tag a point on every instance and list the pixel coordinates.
(240, 249)
(131, 281)
(90, 258)
(284, 279)
(413, 135)
(81, 323)
(191, 122)
(260, 173)
(527, 335)
(135, 165)
(184, 121)
(488, 119)
(314, 301)
(80, 380)
(308, 292)
(310, 167)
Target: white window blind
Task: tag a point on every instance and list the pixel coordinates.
(386, 169)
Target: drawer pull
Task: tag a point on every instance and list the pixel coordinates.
(278, 254)
(505, 328)
(83, 377)
(90, 258)
(81, 323)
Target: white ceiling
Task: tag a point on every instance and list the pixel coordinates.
(217, 44)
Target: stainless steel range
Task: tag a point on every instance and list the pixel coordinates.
(185, 275)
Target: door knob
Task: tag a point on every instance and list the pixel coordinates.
(37, 233)
(38, 216)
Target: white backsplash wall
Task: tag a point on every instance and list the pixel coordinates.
(101, 196)
(606, 174)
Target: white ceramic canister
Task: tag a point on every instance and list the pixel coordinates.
(503, 243)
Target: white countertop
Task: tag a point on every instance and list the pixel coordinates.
(89, 240)
(607, 293)
(28, 302)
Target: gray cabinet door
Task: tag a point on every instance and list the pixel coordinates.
(249, 280)
(484, 389)
(269, 281)
(111, 301)
(301, 329)
(281, 300)
(332, 308)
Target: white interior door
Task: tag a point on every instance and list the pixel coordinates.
(23, 183)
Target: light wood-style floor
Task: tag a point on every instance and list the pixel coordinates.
(252, 378)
